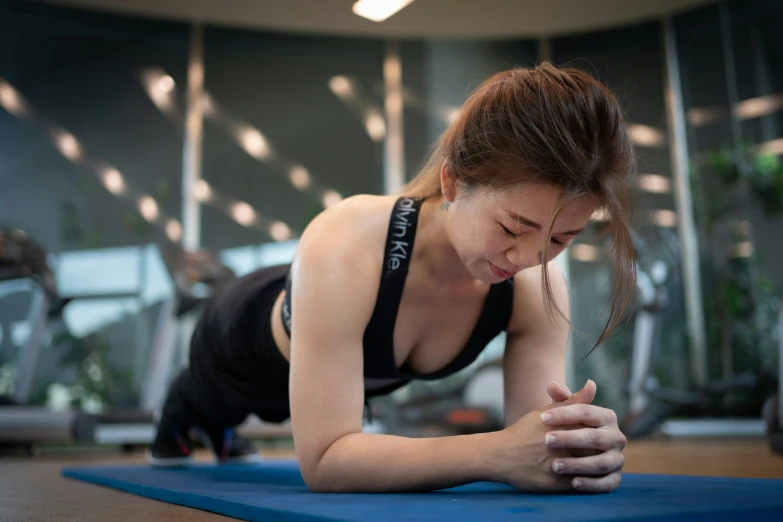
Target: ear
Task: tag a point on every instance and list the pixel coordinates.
(448, 185)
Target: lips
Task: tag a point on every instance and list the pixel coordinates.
(499, 271)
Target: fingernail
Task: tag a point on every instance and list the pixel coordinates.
(546, 417)
(558, 466)
(578, 483)
(549, 439)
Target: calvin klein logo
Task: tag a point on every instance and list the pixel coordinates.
(400, 250)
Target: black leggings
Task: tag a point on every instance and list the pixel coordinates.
(235, 367)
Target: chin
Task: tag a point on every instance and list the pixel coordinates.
(480, 271)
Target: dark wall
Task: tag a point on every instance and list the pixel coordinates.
(79, 71)
(280, 85)
(442, 74)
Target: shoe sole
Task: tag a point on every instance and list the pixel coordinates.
(170, 462)
(241, 459)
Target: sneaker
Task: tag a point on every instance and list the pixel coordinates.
(170, 448)
(230, 448)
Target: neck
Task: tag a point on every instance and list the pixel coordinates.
(434, 250)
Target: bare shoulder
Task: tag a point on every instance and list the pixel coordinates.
(529, 305)
(340, 252)
(356, 226)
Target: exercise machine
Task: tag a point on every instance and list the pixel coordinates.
(672, 412)
(25, 276)
(29, 297)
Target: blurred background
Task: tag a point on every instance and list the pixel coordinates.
(151, 150)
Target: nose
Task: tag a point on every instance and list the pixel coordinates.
(523, 257)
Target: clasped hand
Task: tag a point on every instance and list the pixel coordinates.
(589, 436)
(570, 445)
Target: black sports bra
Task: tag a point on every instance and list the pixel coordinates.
(378, 341)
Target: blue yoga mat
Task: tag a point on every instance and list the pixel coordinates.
(274, 490)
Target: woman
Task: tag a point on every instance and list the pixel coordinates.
(385, 289)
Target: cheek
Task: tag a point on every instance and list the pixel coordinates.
(495, 244)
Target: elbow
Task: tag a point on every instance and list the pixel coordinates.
(320, 487)
(317, 481)
(309, 471)
(314, 485)
(316, 473)
(320, 469)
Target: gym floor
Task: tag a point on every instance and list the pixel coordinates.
(32, 489)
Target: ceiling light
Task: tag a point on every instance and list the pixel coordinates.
(243, 213)
(68, 146)
(760, 106)
(771, 147)
(341, 86)
(330, 198)
(655, 183)
(279, 231)
(148, 208)
(166, 83)
(174, 230)
(646, 136)
(378, 10)
(742, 250)
(112, 180)
(586, 253)
(202, 191)
(600, 215)
(299, 177)
(664, 218)
(375, 126)
(9, 99)
(254, 143)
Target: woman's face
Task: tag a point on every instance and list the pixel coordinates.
(499, 233)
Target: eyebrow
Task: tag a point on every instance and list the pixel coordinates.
(530, 223)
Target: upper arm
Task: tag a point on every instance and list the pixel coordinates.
(335, 282)
(535, 347)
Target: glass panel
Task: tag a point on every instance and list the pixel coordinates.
(630, 62)
(439, 75)
(91, 171)
(288, 129)
(730, 61)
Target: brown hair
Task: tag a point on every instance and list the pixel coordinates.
(548, 125)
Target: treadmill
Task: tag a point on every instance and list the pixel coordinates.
(24, 272)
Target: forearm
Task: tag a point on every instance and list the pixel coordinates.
(363, 462)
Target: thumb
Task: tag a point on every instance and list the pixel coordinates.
(584, 396)
(557, 392)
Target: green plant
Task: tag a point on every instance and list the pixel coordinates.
(742, 305)
(766, 180)
(95, 379)
(761, 172)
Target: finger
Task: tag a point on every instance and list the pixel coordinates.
(598, 465)
(593, 438)
(587, 414)
(583, 452)
(584, 396)
(605, 484)
(557, 392)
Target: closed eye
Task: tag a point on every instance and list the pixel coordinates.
(515, 236)
(508, 232)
